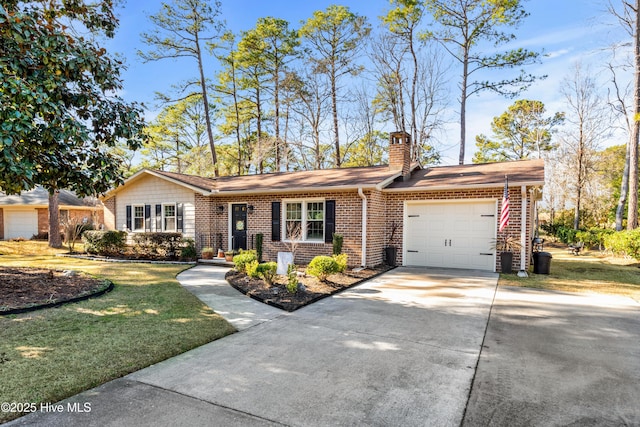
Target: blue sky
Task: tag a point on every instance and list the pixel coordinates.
(566, 30)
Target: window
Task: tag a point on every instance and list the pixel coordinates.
(138, 218)
(169, 217)
(304, 221)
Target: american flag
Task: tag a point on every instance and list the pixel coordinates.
(504, 213)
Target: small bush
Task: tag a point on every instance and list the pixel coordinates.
(188, 250)
(104, 242)
(322, 266)
(624, 243)
(337, 243)
(252, 269)
(157, 243)
(341, 260)
(243, 258)
(268, 271)
(566, 234)
(292, 278)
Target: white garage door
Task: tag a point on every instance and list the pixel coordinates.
(20, 223)
(450, 234)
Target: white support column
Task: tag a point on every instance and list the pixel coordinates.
(363, 261)
(523, 234)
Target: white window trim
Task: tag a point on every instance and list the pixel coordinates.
(304, 203)
(133, 219)
(175, 217)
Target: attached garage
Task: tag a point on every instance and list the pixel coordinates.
(20, 223)
(450, 234)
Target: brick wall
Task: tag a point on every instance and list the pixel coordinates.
(109, 213)
(376, 228)
(1, 224)
(43, 220)
(348, 223)
(80, 215)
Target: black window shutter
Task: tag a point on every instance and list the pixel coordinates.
(329, 220)
(158, 217)
(147, 217)
(128, 217)
(275, 221)
(179, 217)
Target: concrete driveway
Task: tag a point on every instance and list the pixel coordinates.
(558, 359)
(399, 350)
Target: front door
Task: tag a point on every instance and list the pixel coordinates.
(239, 226)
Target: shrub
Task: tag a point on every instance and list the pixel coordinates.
(243, 258)
(104, 242)
(259, 240)
(292, 278)
(566, 234)
(337, 243)
(624, 243)
(322, 266)
(341, 260)
(188, 250)
(268, 271)
(157, 243)
(593, 236)
(252, 269)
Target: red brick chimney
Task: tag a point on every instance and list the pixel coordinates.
(400, 153)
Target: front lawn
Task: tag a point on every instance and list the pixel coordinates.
(51, 354)
(591, 271)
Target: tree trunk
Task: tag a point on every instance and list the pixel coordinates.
(207, 117)
(463, 106)
(55, 240)
(414, 84)
(276, 102)
(624, 187)
(334, 110)
(632, 215)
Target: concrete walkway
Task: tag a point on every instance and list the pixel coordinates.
(398, 350)
(209, 285)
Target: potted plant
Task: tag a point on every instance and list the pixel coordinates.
(505, 245)
(228, 255)
(220, 253)
(207, 253)
(391, 251)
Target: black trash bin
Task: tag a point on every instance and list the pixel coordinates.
(541, 262)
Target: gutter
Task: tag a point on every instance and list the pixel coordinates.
(458, 187)
(363, 261)
(334, 188)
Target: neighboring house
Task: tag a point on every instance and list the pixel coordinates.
(27, 215)
(442, 216)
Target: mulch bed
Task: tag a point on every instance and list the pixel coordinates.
(278, 296)
(25, 289)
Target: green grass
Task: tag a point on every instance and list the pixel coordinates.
(591, 271)
(51, 354)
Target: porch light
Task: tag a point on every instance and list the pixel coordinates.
(220, 209)
(250, 208)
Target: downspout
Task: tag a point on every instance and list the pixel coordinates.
(523, 234)
(363, 261)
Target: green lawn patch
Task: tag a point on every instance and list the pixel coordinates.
(591, 271)
(51, 354)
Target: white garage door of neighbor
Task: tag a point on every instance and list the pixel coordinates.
(450, 235)
(20, 223)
